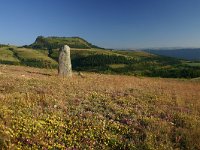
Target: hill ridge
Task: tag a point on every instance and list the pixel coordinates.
(55, 42)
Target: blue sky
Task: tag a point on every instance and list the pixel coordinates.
(106, 23)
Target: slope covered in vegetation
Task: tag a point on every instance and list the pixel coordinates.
(135, 63)
(7, 56)
(38, 110)
(57, 42)
(24, 56)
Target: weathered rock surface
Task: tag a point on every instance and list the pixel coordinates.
(65, 66)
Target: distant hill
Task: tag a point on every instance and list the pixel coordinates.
(186, 53)
(56, 42)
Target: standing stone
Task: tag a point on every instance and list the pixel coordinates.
(65, 66)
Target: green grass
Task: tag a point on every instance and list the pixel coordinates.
(34, 58)
(193, 64)
(135, 54)
(7, 57)
(115, 66)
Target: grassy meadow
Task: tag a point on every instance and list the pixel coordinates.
(27, 57)
(34, 58)
(7, 57)
(39, 110)
(193, 64)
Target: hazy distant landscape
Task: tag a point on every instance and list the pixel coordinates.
(182, 53)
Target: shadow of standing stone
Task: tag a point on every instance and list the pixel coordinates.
(65, 66)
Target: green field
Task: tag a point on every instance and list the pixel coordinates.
(34, 58)
(7, 57)
(29, 57)
(193, 64)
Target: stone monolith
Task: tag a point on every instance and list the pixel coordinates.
(65, 66)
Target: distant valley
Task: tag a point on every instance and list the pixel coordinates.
(182, 53)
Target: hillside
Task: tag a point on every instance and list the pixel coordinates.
(135, 63)
(38, 110)
(186, 53)
(23, 56)
(57, 42)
